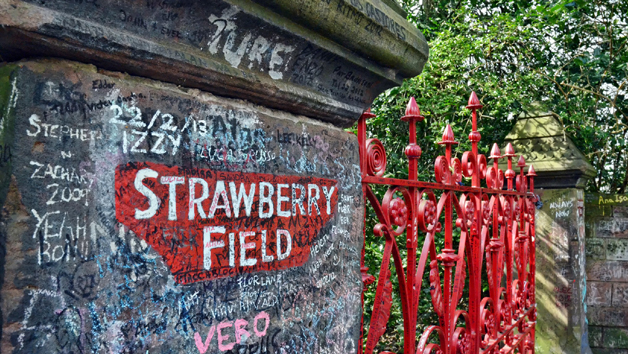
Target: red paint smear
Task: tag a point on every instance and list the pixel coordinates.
(180, 242)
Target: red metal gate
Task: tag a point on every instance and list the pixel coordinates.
(496, 228)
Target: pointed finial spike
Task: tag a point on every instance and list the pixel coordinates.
(495, 153)
(412, 108)
(473, 99)
(510, 151)
(448, 134)
(412, 111)
(521, 162)
(474, 102)
(531, 171)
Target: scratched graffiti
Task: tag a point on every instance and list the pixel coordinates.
(563, 290)
(141, 218)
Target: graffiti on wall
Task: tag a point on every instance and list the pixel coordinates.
(146, 218)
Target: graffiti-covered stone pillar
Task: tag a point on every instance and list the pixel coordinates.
(560, 232)
(175, 177)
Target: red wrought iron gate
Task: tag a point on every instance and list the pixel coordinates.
(496, 233)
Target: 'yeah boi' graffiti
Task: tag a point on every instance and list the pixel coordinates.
(210, 224)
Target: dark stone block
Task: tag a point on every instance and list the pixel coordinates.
(616, 317)
(595, 249)
(616, 338)
(607, 271)
(608, 351)
(599, 294)
(595, 336)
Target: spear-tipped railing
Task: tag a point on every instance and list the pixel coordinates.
(497, 243)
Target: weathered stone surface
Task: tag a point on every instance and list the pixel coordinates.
(321, 58)
(595, 248)
(595, 336)
(113, 244)
(604, 227)
(607, 227)
(608, 316)
(620, 294)
(599, 294)
(616, 338)
(617, 249)
(620, 212)
(606, 231)
(560, 273)
(607, 271)
(369, 27)
(603, 206)
(611, 227)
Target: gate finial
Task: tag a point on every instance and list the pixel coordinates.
(474, 102)
(412, 112)
(413, 151)
(495, 153)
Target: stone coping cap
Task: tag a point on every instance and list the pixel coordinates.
(396, 7)
(544, 125)
(324, 59)
(398, 44)
(543, 142)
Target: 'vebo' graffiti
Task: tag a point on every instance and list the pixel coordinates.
(212, 224)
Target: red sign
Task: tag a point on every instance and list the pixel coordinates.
(210, 224)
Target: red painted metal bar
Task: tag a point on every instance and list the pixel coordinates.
(496, 243)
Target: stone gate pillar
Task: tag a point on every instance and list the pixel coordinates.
(560, 234)
(175, 177)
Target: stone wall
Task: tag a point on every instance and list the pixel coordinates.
(607, 272)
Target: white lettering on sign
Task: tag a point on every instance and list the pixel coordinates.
(269, 196)
(209, 245)
(212, 239)
(153, 201)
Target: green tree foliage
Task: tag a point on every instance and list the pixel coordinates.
(566, 57)
(570, 58)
